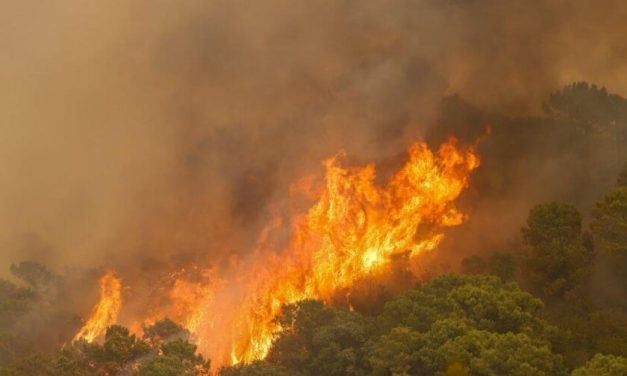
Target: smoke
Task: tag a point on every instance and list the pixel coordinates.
(151, 135)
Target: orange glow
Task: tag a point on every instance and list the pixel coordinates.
(351, 231)
(105, 313)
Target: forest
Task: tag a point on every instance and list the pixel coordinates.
(552, 302)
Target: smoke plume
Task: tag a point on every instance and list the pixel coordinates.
(149, 136)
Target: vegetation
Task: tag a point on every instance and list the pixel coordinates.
(558, 255)
(121, 353)
(476, 324)
(603, 365)
(610, 221)
(533, 309)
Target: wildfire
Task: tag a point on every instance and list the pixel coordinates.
(105, 312)
(353, 230)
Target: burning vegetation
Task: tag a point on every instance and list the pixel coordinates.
(353, 231)
(333, 188)
(105, 313)
(340, 280)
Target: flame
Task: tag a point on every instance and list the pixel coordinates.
(105, 313)
(351, 232)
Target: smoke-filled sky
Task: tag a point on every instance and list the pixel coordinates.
(164, 129)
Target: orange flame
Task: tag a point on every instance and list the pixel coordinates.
(351, 232)
(105, 313)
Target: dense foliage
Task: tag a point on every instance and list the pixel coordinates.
(603, 365)
(559, 255)
(610, 221)
(476, 324)
(121, 353)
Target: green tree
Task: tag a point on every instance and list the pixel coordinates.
(558, 255)
(34, 365)
(502, 265)
(15, 302)
(483, 301)
(320, 340)
(164, 366)
(120, 346)
(121, 353)
(475, 264)
(607, 331)
(164, 330)
(73, 361)
(33, 273)
(588, 105)
(609, 225)
(487, 353)
(258, 368)
(475, 325)
(119, 350)
(177, 358)
(396, 353)
(603, 365)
